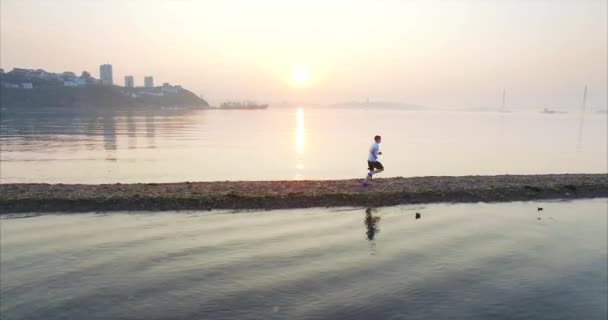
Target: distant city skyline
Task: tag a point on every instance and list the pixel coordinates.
(105, 74)
(148, 81)
(71, 79)
(129, 82)
(441, 54)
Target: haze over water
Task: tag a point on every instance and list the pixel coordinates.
(299, 143)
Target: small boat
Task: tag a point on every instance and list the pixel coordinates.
(503, 108)
(549, 111)
(245, 105)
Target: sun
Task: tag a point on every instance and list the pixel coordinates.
(300, 74)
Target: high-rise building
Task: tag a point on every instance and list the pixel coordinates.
(129, 82)
(149, 82)
(105, 74)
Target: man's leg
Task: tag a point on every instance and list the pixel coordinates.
(370, 173)
(378, 168)
(370, 170)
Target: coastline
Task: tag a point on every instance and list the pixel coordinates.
(265, 195)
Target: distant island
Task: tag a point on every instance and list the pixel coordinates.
(38, 89)
(377, 104)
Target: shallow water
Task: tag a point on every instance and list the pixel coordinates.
(461, 261)
(304, 143)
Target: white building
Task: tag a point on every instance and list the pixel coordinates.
(167, 87)
(129, 82)
(105, 74)
(76, 82)
(149, 82)
(27, 85)
(152, 93)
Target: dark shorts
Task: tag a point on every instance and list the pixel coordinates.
(371, 165)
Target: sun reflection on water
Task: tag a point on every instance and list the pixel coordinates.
(300, 131)
(299, 142)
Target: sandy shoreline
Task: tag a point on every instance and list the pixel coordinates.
(19, 198)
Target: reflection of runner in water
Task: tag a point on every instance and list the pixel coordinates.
(373, 165)
(371, 226)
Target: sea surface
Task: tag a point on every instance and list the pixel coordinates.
(459, 261)
(293, 143)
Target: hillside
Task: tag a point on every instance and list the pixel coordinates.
(94, 97)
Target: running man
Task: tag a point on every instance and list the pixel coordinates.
(373, 165)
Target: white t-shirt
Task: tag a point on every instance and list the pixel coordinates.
(373, 152)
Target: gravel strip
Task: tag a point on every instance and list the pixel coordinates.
(34, 197)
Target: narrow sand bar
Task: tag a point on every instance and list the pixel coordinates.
(18, 198)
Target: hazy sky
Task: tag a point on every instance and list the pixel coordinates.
(435, 53)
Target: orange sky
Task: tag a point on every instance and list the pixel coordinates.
(435, 53)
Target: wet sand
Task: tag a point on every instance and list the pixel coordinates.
(18, 198)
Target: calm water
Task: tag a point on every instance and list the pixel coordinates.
(465, 261)
(305, 143)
